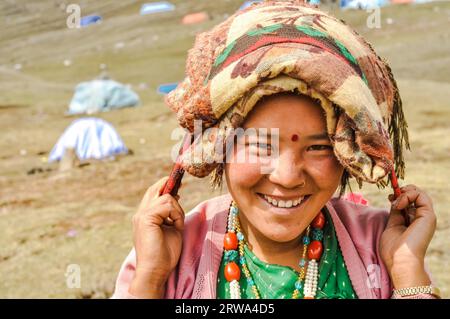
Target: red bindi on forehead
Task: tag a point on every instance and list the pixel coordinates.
(294, 137)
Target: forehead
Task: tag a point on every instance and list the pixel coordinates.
(291, 114)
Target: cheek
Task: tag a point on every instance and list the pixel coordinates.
(326, 172)
(243, 174)
(241, 171)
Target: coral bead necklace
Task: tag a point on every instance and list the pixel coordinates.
(234, 244)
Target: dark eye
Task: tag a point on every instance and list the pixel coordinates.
(265, 146)
(260, 145)
(260, 149)
(321, 147)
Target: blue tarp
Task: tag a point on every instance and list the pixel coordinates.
(101, 95)
(362, 4)
(167, 88)
(85, 21)
(248, 4)
(155, 7)
(91, 138)
(425, 1)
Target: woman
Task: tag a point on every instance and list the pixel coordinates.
(331, 106)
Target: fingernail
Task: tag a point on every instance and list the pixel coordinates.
(394, 203)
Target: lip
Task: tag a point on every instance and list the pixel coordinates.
(284, 198)
(283, 211)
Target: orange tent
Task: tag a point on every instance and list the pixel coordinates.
(194, 18)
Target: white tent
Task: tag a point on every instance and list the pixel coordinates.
(91, 138)
(156, 7)
(101, 95)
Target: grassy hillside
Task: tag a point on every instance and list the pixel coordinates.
(96, 202)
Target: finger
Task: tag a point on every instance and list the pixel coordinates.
(161, 200)
(174, 206)
(177, 217)
(168, 221)
(167, 199)
(404, 202)
(151, 197)
(154, 190)
(409, 187)
(395, 219)
(419, 198)
(175, 202)
(167, 214)
(411, 211)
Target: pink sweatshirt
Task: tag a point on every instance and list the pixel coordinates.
(358, 230)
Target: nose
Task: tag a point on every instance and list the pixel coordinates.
(288, 171)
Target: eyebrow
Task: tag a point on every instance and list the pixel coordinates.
(312, 137)
(319, 136)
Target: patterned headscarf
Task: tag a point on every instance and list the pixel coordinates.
(274, 47)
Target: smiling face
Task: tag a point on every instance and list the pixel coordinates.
(303, 177)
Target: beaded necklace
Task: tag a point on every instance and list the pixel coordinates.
(234, 243)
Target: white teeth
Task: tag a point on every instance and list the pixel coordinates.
(284, 204)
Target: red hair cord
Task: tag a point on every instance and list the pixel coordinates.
(397, 193)
(173, 183)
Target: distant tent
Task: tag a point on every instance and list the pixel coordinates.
(101, 95)
(362, 4)
(90, 138)
(167, 88)
(88, 20)
(194, 18)
(156, 7)
(247, 4)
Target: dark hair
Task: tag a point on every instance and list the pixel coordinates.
(345, 182)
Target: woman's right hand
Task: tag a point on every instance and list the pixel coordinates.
(157, 235)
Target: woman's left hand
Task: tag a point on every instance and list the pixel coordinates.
(402, 247)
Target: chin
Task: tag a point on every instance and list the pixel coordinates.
(281, 234)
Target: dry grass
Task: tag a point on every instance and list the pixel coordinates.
(98, 200)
